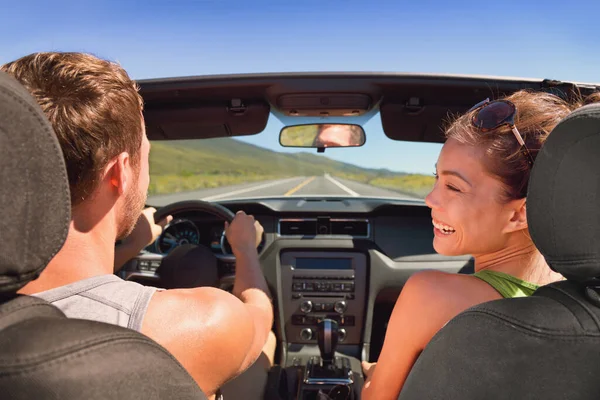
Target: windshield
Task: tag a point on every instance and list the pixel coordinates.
(258, 166)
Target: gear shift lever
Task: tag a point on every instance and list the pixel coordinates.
(329, 370)
(327, 338)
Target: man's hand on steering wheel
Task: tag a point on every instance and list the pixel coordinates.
(244, 233)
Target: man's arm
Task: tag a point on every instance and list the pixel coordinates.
(213, 334)
(250, 285)
(144, 233)
(209, 331)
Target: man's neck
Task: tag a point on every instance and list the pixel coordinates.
(84, 255)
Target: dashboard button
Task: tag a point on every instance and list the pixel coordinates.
(297, 286)
(347, 287)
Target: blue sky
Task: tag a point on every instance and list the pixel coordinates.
(542, 39)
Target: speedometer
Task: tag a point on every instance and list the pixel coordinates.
(177, 233)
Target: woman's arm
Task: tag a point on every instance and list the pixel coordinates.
(427, 302)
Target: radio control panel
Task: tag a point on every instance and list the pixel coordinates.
(321, 285)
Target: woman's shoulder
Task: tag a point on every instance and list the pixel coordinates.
(439, 279)
(438, 288)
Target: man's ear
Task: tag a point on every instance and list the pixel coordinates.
(117, 173)
(518, 216)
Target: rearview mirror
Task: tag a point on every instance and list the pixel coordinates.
(322, 135)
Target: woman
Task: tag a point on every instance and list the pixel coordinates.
(478, 207)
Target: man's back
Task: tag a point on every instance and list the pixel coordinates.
(110, 299)
(104, 298)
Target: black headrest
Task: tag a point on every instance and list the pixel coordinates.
(563, 201)
(35, 207)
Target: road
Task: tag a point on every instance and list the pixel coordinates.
(312, 186)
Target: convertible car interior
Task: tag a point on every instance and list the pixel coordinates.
(335, 264)
(335, 253)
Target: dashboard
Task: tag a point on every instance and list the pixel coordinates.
(199, 230)
(344, 259)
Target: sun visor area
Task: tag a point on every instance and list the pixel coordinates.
(202, 121)
(413, 123)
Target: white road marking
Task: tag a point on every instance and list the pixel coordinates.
(341, 186)
(250, 189)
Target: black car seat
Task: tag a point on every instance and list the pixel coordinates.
(546, 346)
(44, 355)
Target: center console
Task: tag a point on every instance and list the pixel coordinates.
(319, 285)
(324, 300)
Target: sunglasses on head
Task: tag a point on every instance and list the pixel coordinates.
(490, 115)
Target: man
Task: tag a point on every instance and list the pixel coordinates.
(339, 135)
(96, 112)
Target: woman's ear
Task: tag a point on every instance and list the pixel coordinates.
(518, 216)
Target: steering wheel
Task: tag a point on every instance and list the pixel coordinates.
(189, 265)
(194, 205)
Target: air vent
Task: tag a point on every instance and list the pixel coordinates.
(294, 227)
(352, 227)
(334, 227)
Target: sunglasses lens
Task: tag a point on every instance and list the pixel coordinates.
(479, 105)
(494, 115)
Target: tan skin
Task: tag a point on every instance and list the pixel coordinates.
(198, 326)
(468, 199)
(336, 136)
(145, 232)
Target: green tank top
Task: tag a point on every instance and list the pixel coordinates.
(507, 285)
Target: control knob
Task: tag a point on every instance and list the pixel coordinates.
(306, 306)
(342, 334)
(340, 306)
(306, 334)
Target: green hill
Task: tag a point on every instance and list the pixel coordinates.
(177, 166)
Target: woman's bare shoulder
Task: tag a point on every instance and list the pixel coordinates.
(442, 290)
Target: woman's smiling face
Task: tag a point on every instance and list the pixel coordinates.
(468, 213)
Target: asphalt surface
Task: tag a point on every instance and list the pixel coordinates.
(312, 186)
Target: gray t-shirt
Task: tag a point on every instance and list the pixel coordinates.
(105, 298)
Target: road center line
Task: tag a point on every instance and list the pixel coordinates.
(250, 189)
(300, 186)
(341, 186)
